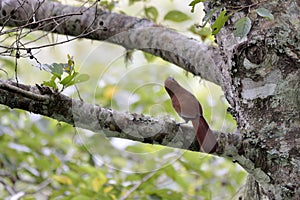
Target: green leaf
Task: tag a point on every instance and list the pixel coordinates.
(131, 2)
(66, 81)
(81, 197)
(107, 5)
(242, 27)
(81, 78)
(176, 16)
(55, 68)
(164, 194)
(65, 180)
(149, 57)
(208, 16)
(151, 13)
(50, 83)
(171, 172)
(263, 12)
(8, 63)
(219, 23)
(203, 32)
(72, 82)
(194, 3)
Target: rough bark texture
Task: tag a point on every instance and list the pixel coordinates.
(262, 81)
(43, 101)
(260, 77)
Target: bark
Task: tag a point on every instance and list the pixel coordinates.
(261, 80)
(164, 131)
(259, 74)
(44, 101)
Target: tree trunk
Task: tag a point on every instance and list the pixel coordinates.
(262, 84)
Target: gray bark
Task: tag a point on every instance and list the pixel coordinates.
(262, 80)
(163, 131)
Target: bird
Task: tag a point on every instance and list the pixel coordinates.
(189, 109)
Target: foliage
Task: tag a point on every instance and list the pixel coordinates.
(45, 158)
(151, 13)
(219, 22)
(57, 70)
(242, 27)
(41, 158)
(176, 16)
(216, 17)
(194, 3)
(264, 13)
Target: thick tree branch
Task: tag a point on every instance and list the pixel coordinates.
(130, 32)
(112, 123)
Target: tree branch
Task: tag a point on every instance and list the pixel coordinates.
(129, 32)
(137, 185)
(112, 123)
(98, 119)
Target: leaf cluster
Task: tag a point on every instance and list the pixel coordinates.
(241, 27)
(63, 75)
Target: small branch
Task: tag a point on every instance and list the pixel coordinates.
(38, 22)
(49, 24)
(8, 188)
(40, 186)
(136, 186)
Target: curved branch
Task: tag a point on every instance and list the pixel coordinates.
(129, 32)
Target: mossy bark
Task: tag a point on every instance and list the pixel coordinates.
(262, 83)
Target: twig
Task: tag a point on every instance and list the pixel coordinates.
(8, 188)
(136, 186)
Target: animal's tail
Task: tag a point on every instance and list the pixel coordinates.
(207, 140)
